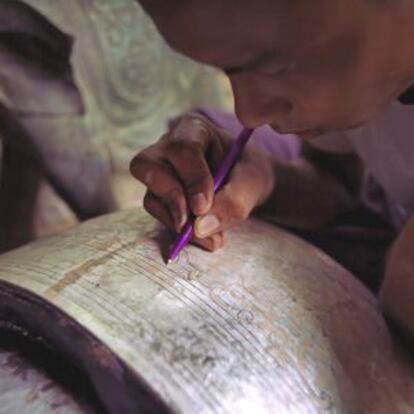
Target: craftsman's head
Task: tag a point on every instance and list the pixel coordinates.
(297, 65)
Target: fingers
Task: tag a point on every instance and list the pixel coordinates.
(175, 169)
(154, 206)
(163, 183)
(178, 173)
(193, 171)
(157, 209)
(234, 202)
(186, 149)
(212, 243)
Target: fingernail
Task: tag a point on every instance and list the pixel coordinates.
(207, 224)
(183, 220)
(198, 203)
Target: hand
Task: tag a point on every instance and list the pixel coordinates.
(178, 173)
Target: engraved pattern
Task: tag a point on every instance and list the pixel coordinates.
(304, 337)
(131, 81)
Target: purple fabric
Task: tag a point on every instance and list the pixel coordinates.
(287, 147)
(265, 138)
(358, 240)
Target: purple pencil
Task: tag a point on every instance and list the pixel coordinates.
(220, 177)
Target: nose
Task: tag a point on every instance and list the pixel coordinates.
(256, 106)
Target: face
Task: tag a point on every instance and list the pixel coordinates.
(301, 66)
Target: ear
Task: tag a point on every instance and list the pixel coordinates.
(35, 72)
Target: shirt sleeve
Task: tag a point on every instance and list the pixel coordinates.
(264, 138)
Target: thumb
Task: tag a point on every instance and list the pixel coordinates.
(234, 202)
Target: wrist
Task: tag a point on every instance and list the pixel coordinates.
(268, 169)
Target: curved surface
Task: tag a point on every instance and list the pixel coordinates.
(268, 324)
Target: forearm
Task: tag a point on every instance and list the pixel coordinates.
(397, 291)
(306, 196)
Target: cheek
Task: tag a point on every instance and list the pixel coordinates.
(332, 101)
(259, 99)
(313, 100)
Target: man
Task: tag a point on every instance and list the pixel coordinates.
(308, 68)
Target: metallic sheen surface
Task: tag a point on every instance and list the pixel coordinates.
(268, 324)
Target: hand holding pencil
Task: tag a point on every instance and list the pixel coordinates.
(178, 171)
(220, 177)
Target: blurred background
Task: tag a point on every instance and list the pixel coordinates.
(60, 166)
